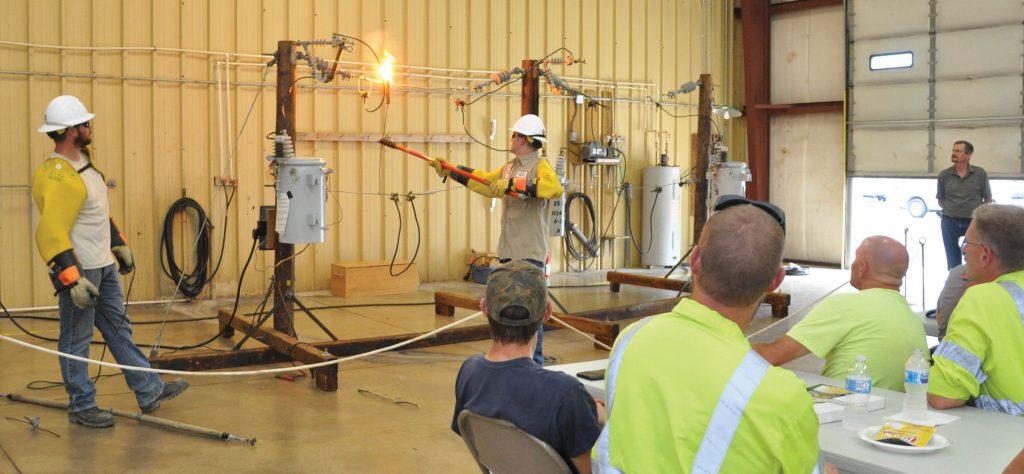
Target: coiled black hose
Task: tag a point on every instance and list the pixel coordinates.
(190, 284)
(590, 246)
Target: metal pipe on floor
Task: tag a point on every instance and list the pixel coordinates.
(146, 419)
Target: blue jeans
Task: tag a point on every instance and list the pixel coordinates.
(76, 334)
(952, 229)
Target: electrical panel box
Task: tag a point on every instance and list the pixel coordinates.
(301, 194)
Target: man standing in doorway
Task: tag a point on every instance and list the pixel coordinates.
(961, 188)
(79, 242)
(524, 222)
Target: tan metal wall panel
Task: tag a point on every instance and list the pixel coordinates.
(807, 59)
(807, 161)
(166, 127)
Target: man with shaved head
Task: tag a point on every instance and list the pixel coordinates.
(876, 321)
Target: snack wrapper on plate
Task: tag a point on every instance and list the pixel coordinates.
(905, 434)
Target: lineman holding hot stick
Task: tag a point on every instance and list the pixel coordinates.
(524, 222)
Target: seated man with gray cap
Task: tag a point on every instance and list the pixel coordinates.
(506, 383)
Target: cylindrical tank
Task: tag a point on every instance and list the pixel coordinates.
(666, 238)
(729, 177)
(300, 201)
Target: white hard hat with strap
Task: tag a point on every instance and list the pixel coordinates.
(63, 112)
(531, 126)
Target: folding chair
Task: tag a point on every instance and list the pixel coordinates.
(501, 448)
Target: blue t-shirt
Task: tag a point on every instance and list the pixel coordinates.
(551, 406)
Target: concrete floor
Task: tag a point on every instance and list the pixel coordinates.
(299, 428)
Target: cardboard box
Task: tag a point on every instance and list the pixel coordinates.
(352, 279)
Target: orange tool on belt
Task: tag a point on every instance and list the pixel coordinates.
(454, 169)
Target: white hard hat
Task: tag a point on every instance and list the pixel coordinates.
(63, 112)
(531, 125)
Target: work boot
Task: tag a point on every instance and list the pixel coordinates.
(171, 389)
(92, 418)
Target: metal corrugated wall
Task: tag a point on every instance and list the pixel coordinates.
(165, 127)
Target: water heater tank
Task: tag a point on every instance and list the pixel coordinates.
(661, 210)
(300, 201)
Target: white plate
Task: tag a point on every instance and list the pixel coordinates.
(936, 443)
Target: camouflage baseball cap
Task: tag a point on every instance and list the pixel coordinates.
(516, 283)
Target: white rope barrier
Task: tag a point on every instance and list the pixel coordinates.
(805, 308)
(243, 372)
(585, 335)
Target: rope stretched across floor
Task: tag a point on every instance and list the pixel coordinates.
(270, 371)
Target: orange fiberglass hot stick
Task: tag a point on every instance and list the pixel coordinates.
(454, 169)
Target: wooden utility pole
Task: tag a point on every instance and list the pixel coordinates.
(283, 345)
(700, 188)
(531, 90)
(284, 263)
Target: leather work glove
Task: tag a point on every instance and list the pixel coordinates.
(436, 164)
(84, 294)
(500, 186)
(125, 259)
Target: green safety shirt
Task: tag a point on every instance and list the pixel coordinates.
(668, 385)
(982, 356)
(877, 323)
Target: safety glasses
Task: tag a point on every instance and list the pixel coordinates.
(726, 201)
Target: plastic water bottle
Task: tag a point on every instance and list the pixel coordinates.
(858, 383)
(915, 383)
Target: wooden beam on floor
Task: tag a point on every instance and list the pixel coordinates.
(779, 301)
(267, 355)
(216, 360)
(286, 346)
(616, 279)
(445, 304)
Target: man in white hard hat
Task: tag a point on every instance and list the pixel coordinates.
(524, 222)
(79, 242)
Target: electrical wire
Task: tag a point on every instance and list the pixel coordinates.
(520, 77)
(462, 108)
(416, 193)
(471, 137)
(650, 219)
(398, 240)
(234, 309)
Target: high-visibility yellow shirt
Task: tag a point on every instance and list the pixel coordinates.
(982, 355)
(877, 323)
(669, 382)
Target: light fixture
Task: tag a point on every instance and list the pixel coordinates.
(726, 112)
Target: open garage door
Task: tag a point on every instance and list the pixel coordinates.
(922, 74)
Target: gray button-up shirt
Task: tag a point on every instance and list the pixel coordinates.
(960, 196)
